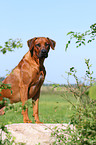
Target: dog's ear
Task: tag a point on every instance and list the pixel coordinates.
(30, 44)
(52, 43)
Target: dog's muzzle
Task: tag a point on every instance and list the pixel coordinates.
(43, 53)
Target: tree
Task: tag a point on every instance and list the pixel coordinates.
(82, 38)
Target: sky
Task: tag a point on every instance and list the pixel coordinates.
(26, 19)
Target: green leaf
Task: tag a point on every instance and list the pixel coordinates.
(9, 49)
(87, 72)
(87, 31)
(71, 32)
(21, 45)
(6, 42)
(68, 42)
(71, 69)
(14, 45)
(77, 41)
(83, 42)
(80, 44)
(75, 36)
(89, 41)
(4, 50)
(66, 47)
(11, 92)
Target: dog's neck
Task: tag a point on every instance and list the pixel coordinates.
(37, 61)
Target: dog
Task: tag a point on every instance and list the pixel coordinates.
(28, 76)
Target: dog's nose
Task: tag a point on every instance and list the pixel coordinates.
(43, 51)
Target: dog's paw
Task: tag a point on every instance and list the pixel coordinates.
(27, 121)
(38, 122)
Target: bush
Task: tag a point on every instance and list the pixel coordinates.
(84, 116)
(84, 130)
(9, 45)
(92, 92)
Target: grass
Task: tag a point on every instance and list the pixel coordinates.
(52, 108)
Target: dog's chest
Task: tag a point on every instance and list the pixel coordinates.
(36, 84)
(38, 78)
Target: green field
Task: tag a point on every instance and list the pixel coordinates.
(53, 108)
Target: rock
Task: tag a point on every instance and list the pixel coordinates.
(32, 134)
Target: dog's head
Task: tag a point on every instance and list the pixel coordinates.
(39, 46)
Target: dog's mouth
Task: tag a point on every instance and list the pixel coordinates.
(43, 54)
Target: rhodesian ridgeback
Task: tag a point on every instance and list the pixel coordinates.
(28, 76)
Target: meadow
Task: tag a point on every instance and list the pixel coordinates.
(53, 107)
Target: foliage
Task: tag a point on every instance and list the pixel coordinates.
(84, 119)
(10, 45)
(84, 116)
(84, 130)
(81, 89)
(92, 92)
(82, 38)
(9, 140)
(4, 86)
(1, 79)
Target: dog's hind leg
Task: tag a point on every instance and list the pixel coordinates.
(2, 106)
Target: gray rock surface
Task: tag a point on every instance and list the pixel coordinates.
(32, 134)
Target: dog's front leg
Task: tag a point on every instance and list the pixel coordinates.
(24, 98)
(35, 104)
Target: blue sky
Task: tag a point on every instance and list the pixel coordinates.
(26, 19)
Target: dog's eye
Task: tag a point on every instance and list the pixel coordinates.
(37, 45)
(46, 44)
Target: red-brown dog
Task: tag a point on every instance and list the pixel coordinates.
(28, 76)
